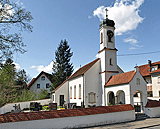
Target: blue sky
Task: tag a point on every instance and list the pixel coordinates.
(77, 21)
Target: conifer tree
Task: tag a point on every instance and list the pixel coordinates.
(62, 67)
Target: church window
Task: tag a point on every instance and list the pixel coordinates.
(158, 80)
(75, 92)
(71, 92)
(38, 85)
(92, 97)
(101, 37)
(79, 91)
(138, 81)
(53, 97)
(43, 78)
(110, 61)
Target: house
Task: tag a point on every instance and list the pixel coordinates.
(42, 81)
(151, 74)
(102, 82)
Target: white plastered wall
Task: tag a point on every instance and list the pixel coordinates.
(115, 89)
(155, 85)
(63, 90)
(75, 82)
(142, 88)
(92, 81)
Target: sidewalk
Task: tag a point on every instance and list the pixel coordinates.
(148, 123)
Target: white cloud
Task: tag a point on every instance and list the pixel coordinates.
(32, 67)
(17, 66)
(89, 17)
(40, 68)
(133, 43)
(124, 13)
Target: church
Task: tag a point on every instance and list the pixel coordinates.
(102, 82)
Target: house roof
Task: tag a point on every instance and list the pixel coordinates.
(49, 76)
(122, 78)
(145, 69)
(79, 72)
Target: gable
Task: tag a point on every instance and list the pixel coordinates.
(79, 72)
(49, 76)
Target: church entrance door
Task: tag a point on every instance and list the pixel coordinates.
(61, 100)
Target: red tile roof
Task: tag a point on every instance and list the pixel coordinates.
(79, 72)
(145, 69)
(122, 78)
(153, 103)
(49, 76)
(25, 116)
(32, 81)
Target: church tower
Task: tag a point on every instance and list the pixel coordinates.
(107, 52)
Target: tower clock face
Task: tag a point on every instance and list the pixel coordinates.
(110, 33)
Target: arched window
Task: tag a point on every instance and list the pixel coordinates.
(43, 78)
(101, 37)
(110, 61)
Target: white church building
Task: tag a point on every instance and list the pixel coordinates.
(102, 82)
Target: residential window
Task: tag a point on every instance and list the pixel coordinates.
(38, 85)
(159, 93)
(79, 91)
(47, 85)
(43, 78)
(75, 92)
(138, 81)
(92, 97)
(149, 94)
(71, 92)
(158, 80)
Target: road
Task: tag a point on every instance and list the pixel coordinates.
(150, 123)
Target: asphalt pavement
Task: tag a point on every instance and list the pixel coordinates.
(149, 123)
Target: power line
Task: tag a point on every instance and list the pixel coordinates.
(138, 54)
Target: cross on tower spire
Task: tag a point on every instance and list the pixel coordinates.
(106, 13)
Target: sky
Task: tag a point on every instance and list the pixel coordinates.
(137, 31)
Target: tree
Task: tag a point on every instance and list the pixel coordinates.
(7, 76)
(22, 79)
(62, 68)
(16, 17)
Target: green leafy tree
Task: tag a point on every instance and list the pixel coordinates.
(12, 16)
(62, 68)
(43, 94)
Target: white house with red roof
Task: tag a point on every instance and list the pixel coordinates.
(102, 82)
(151, 74)
(42, 81)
